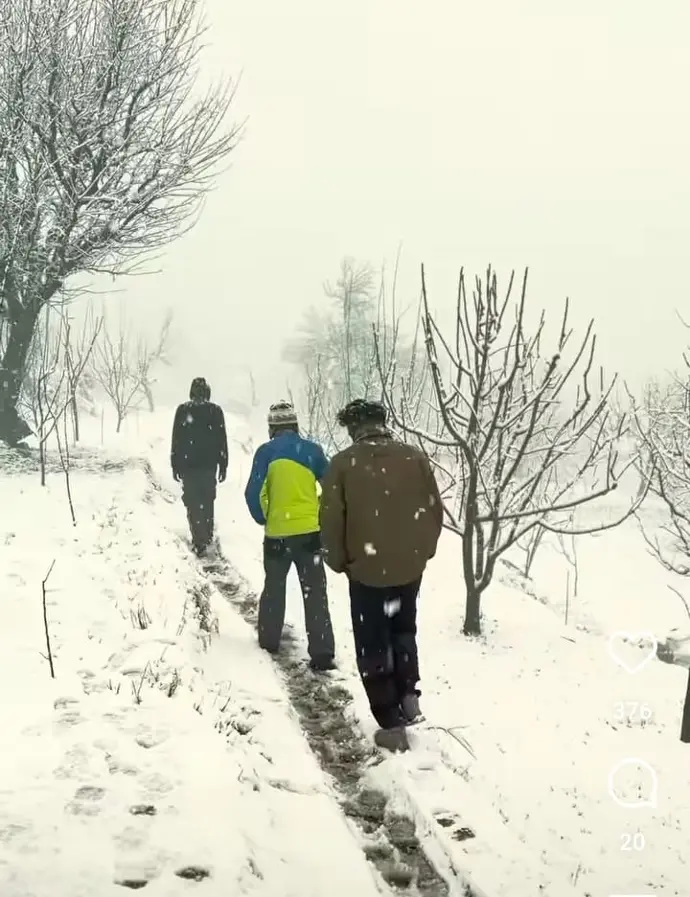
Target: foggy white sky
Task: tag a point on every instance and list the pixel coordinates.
(532, 133)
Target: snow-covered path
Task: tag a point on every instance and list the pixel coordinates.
(540, 701)
(160, 753)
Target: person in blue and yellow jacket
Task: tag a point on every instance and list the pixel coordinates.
(282, 497)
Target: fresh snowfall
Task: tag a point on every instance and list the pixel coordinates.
(148, 743)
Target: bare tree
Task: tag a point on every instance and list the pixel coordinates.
(106, 150)
(662, 424)
(522, 444)
(52, 373)
(149, 357)
(66, 465)
(77, 354)
(114, 368)
(335, 351)
(44, 395)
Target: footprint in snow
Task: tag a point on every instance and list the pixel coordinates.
(149, 738)
(155, 784)
(86, 801)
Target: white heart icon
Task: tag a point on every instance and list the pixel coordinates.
(631, 640)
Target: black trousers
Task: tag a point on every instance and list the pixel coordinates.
(305, 553)
(199, 496)
(384, 625)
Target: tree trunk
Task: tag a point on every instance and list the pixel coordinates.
(75, 415)
(472, 561)
(685, 725)
(42, 457)
(473, 623)
(120, 418)
(12, 428)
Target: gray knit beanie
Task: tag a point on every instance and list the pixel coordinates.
(282, 414)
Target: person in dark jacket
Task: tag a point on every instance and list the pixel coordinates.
(281, 496)
(381, 517)
(199, 455)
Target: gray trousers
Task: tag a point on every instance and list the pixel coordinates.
(199, 496)
(305, 553)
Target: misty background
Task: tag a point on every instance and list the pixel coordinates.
(539, 134)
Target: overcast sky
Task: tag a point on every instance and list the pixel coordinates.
(532, 133)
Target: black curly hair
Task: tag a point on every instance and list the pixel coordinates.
(362, 411)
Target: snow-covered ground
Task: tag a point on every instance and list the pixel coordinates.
(538, 701)
(161, 755)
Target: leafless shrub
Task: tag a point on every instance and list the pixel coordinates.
(138, 686)
(77, 355)
(46, 628)
(52, 372)
(140, 618)
(107, 149)
(65, 464)
(525, 439)
(123, 366)
(151, 355)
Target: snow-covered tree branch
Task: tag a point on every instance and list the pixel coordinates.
(525, 438)
(662, 424)
(106, 150)
(151, 355)
(334, 352)
(54, 367)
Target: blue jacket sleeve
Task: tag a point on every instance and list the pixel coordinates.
(320, 463)
(257, 478)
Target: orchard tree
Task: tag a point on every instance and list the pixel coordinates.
(662, 425)
(519, 438)
(124, 366)
(335, 350)
(107, 149)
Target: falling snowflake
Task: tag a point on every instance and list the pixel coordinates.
(369, 548)
(391, 608)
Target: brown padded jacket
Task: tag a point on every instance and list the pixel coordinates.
(381, 513)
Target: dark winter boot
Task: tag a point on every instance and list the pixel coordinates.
(409, 705)
(322, 664)
(394, 739)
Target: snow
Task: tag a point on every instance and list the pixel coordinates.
(537, 701)
(154, 750)
(525, 726)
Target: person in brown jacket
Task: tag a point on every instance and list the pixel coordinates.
(381, 517)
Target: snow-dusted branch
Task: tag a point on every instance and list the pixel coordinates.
(335, 352)
(53, 369)
(46, 626)
(525, 437)
(107, 148)
(150, 356)
(662, 426)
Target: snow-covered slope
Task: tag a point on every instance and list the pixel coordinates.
(541, 703)
(164, 753)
